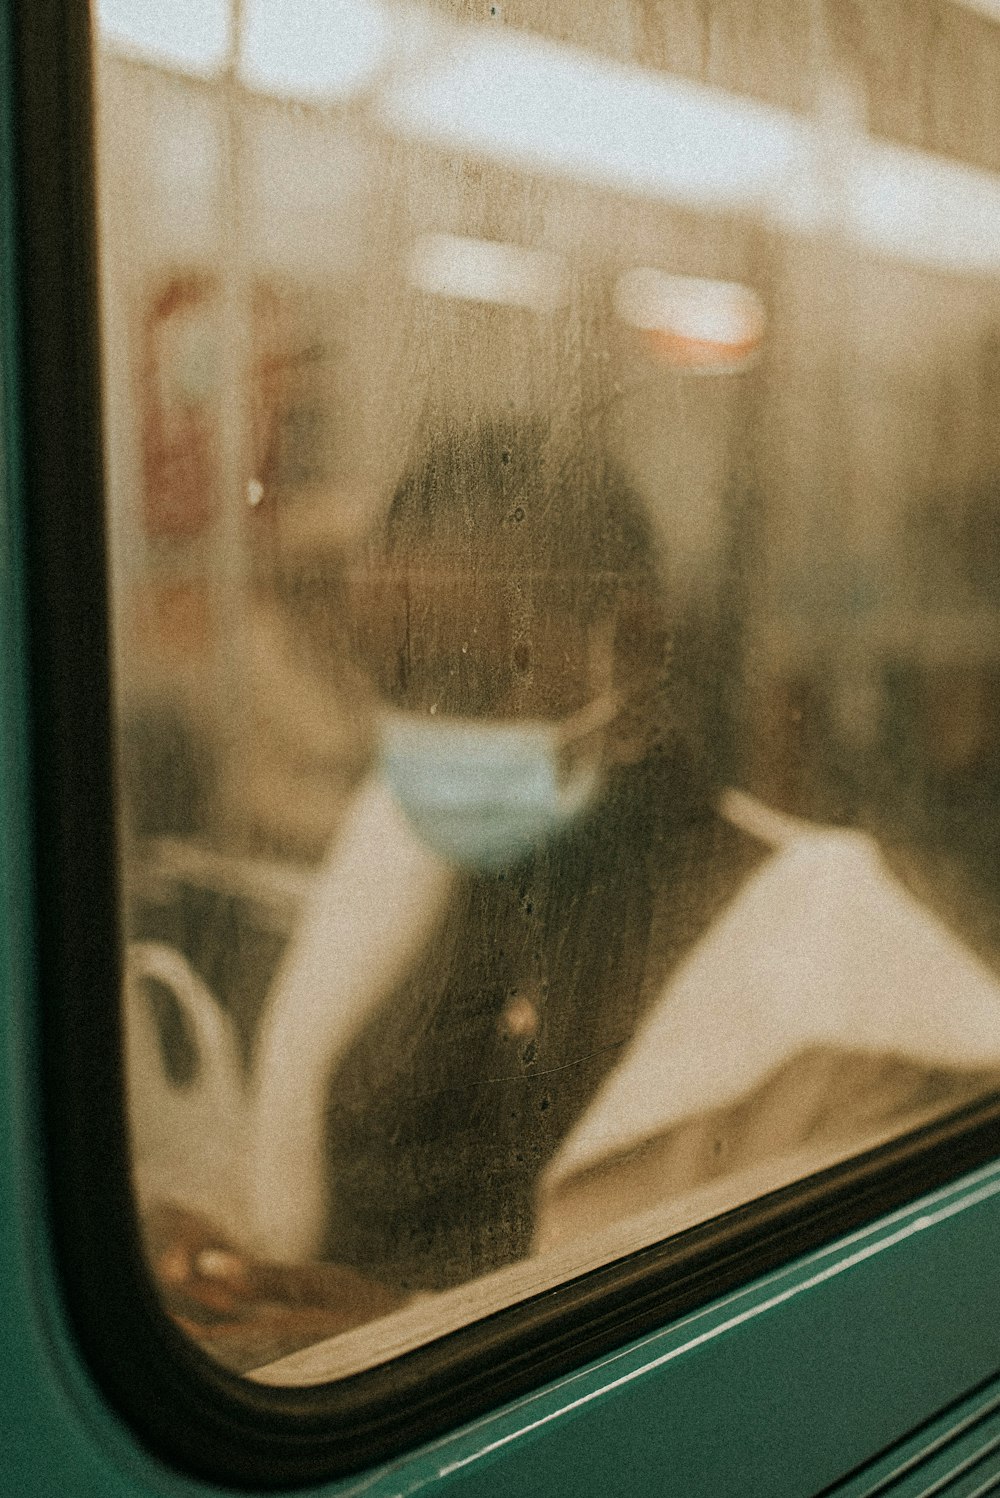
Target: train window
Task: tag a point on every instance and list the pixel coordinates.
(552, 481)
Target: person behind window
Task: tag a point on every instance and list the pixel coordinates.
(542, 736)
(616, 979)
(552, 972)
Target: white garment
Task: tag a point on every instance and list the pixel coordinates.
(377, 900)
(249, 1153)
(821, 948)
(185, 1139)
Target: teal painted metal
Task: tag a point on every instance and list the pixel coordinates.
(774, 1390)
(961, 1448)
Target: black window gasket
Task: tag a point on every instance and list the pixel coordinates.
(182, 1406)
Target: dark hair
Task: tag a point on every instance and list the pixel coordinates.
(567, 527)
(500, 492)
(566, 531)
(564, 527)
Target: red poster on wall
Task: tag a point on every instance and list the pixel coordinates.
(179, 388)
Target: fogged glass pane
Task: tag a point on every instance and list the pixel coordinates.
(552, 458)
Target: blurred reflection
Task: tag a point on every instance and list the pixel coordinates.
(458, 623)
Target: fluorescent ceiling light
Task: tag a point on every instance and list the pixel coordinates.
(530, 103)
(191, 36)
(990, 8)
(321, 50)
(704, 327)
(526, 102)
(548, 108)
(313, 50)
(479, 270)
(925, 209)
(710, 311)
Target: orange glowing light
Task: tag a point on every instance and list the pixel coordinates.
(704, 327)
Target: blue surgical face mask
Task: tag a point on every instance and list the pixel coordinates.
(484, 794)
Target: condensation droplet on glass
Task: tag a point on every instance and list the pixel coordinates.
(174, 1266)
(218, 1264)
(519, 1019)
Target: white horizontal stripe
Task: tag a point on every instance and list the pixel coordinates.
(541, 106)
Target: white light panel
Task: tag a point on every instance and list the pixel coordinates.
(541, 106)
(478, 270)
(189, 35)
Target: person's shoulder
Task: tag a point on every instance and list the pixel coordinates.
(809, 872)
(783, 832)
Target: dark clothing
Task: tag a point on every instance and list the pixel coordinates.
(442, 1114)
